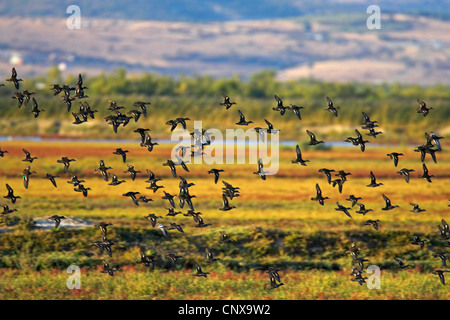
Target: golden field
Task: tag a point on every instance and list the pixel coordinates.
(275, 223)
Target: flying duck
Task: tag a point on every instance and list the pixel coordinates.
(353, 199)
(35, 111)
(122, 153)
(147, 260)
(153, 219)
(260, 170)
(103, 170)
(373, 223)
(313, 141)
(405, 172)
(319, 196)
(199, 271)
(299, 158)
(440, 273)
(57, 220)
(169, 197)
(394, 156)
(327, 172)
(280, 107)
(26, 173)
(388, 206)
(115, 180)
(216, 174)
(143, 106)
(209, 256)
(28, 157)
(296, 110)
(425, 174)
(423, 108)
(11, 195)
(362, 209)
(416, 208)
(81, 188)
(401, 263)
(227, 102)
(331, 108)
(343, 209)
(131, 171)
(66, 161)
(242, 121)
(132, 195)
(226, 205)
(373, 181)
(14, 79)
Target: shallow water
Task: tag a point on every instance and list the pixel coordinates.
(168, 141)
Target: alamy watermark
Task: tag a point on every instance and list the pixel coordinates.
(74, 280)
(74, 21)
(237, 146)
(374, 280)
(374, 20)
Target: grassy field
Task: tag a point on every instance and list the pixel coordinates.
(275, 223)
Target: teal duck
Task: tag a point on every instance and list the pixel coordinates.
(331, 108)
(299, 158)
(321, 199)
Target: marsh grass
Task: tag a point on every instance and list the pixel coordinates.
(275, 223)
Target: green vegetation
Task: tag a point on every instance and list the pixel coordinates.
(393, 105)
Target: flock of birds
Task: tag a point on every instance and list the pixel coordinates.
(119, 119)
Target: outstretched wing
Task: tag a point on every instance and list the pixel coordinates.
(10, 190)
(425, 169)
(330, 103)
(366, 117)
(372, 178)
(269, 124)
(27, 154)
(387, 200)
(241, 115)
(278, 99)
(318, 190)
(225, 200)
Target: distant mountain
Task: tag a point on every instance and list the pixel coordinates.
(216, 10)
(323, 39)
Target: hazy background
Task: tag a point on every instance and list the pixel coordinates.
(324, 40)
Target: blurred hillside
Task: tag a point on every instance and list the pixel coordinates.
(217, 10)
(321, 40)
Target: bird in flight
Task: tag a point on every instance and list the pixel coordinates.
(260, 170)
(227, 101)
(299, 158)
(423, 109)
(373, 181)
(280, 107)
(406, 173)
(343, 209)
(199, 271)
(331, 108)
(313, 141)
(319, 196)
(14, 79)
(394, 156)
(242, 121)
(388, 206)
(216, 174)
